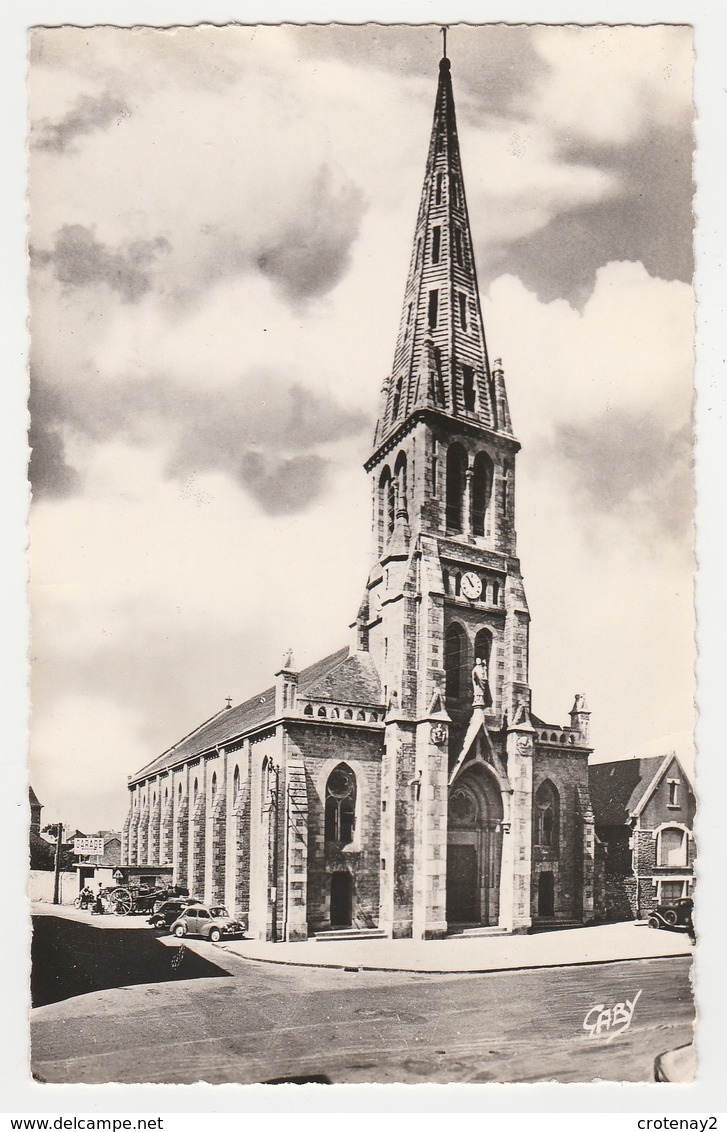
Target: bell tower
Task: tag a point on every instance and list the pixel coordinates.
(445, 589)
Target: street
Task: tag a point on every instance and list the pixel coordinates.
(261, 1022)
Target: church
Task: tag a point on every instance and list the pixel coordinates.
(403, 786)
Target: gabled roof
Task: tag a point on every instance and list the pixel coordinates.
(353, 681)
(618, 787)
(340, 676)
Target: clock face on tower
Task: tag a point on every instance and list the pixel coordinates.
(471, 586)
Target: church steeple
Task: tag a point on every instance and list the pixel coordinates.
(441, 359)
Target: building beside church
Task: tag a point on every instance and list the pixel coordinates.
(644, 813)
(402, 785)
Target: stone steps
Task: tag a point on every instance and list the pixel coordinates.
(337, 935)
(553, 926)
(469, 933)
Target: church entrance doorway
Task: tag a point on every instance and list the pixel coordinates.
(341, 900)
(474, 844)
(462, 884)
(546, 894)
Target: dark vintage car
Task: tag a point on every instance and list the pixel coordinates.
(210, 923)
(677, 916)
(170, 910)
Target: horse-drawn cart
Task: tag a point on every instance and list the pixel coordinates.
(130, 899)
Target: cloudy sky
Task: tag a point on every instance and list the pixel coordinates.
(221, 222)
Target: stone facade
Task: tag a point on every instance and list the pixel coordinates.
(402, 784)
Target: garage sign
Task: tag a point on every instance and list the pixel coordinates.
(88, 845)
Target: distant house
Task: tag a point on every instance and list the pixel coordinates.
(644, 819)
(111, 847)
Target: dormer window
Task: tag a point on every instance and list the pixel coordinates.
(462, 310)
(458, 247)
(436, 243)
(673, 785)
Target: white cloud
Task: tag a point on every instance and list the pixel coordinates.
(604, 84)
(629, 349)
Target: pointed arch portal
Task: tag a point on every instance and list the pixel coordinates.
(474, 848)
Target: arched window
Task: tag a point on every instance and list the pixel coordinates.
(195, 791)
(236, 784)
(481, 492)
(340, 813)
(308, 709)
(455, 661)
(672, 847)
(456, 466)
(213, 786)
(322, 712)
(166, 795)
(400, 478)
(546, 816)
(180, 792)
(348, 714)
(334, 713)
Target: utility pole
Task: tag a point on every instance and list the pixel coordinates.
(57, 877)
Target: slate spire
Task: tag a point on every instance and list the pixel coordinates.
(441, 360)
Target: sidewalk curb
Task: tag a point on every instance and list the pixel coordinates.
(354, 968)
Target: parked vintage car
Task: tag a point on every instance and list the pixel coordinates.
(170, 910)
(210, 923)
(677, 916)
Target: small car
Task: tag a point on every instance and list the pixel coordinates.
(676, 915)
(170, 910)
(209, 923)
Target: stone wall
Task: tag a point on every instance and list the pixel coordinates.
(321, 748)
(568, 772)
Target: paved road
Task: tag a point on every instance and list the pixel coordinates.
(272, 1022)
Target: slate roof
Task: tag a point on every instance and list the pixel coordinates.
(353, 681)
(617, 787)
(343, 675)
(537, 722)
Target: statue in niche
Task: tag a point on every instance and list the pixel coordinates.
(480, 685)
